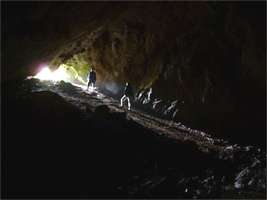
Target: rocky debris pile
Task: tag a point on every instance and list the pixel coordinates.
(145, 100)
(226, 171)
(252, 170)
(248, 183)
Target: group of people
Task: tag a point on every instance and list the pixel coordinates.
(128, 91)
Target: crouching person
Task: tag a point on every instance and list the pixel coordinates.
(128, 94)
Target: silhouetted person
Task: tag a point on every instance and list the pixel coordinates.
(92, 78)
(128, 93)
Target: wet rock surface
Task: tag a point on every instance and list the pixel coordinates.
(61, 141)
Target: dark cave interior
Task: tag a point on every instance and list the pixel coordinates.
(206, 58)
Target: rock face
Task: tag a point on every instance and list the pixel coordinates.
(209, 55)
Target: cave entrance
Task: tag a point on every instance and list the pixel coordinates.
(64, 72)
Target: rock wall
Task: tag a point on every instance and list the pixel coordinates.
(209, 55)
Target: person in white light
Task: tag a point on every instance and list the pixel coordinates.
(128, 94)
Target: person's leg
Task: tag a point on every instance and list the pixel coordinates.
(129, 103)
(122, 100)
(88, 85)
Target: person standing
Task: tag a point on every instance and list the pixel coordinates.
(92, 78)
(128, 93)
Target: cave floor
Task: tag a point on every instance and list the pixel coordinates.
(143, 155)
(173, 130)
(164, 129)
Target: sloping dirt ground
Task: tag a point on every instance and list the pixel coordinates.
(60, 141)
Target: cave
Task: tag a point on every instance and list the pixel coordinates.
(197, 124)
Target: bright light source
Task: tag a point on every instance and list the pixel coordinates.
(60, 74)
(44, 74)
(57, 75)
